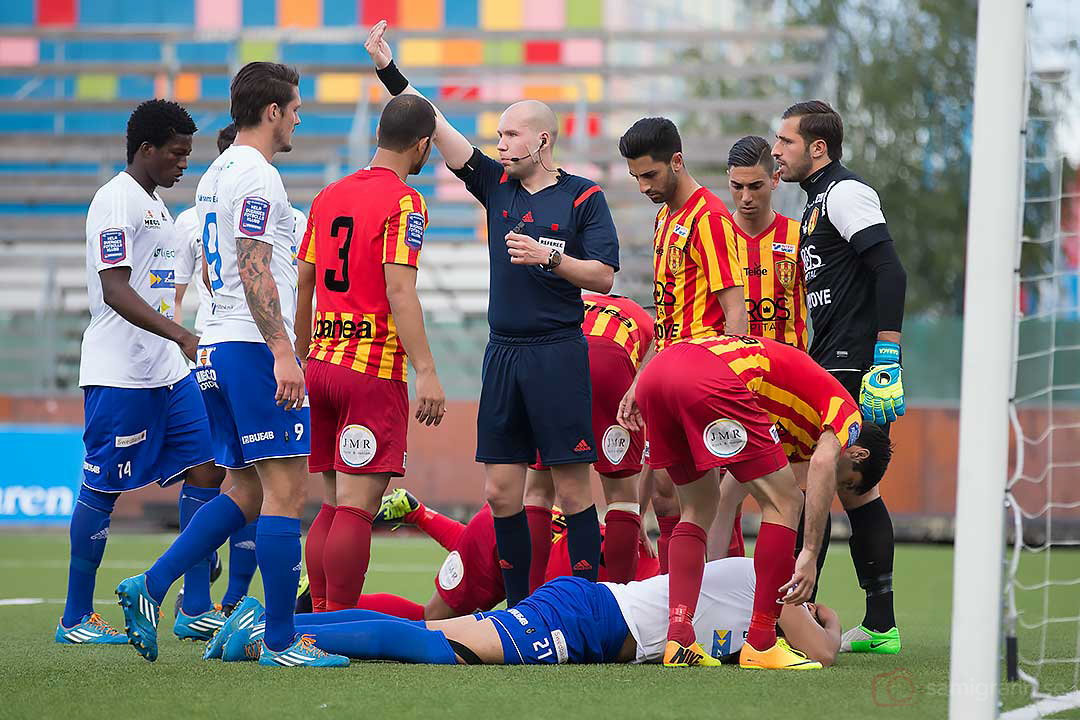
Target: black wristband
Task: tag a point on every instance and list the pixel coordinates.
(392, 79)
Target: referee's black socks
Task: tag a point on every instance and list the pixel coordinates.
(515, 553)
(872, 548)
(583, 543)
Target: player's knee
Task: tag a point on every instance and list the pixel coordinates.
(362, 491)
(101, 501)
(503, 501)
(620, 489)
(207, 475)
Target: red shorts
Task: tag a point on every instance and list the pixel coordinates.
(611, 372)
(700, 416)
(470, 578)
(358, 421)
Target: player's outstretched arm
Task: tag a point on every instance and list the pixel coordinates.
(118, 294)
(253, 261)
(820, 489)
(305, 291)
(409, 319)
(812, 629)
(454, 147)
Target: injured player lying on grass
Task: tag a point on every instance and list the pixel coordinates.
(567, 620)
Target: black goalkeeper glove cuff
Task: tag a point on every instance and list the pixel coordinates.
(392, 79)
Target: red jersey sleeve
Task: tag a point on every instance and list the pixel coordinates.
(403, 235)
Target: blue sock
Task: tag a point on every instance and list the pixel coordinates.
(242, 563)
(89, 531)
(197, 577)
(355, 615)
(515, 554)
(205, 532)
(277, 546)
(388, 639)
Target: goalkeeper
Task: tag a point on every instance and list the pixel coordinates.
(855, 288)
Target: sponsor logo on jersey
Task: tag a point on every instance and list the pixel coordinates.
(785, 272)
(164, 308)
(150, 221)
(357, 445)
(206, 377)
(123, 441)
(757, 271)
(615, 443)
(675, 258)
(853, 433)
(559, 640)
(786, 248)
(167, 253)
(202, 359)
(89, 467)
(256, 437)
(253, 215)
(113, 246)
(345, 329)
(522, 621)
(452, 571)
(414, 230)
(681, 230)
(724, 437)
(818, 298)
(721, 643)
(811, 261)
(162, 279)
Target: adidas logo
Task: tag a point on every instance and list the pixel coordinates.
(582, 565)
(528, 217)
(102, 534)
(582, 446)
(505, 565)
(245, 545)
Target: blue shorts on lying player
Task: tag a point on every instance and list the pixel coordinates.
(140, 436)
(238, 387)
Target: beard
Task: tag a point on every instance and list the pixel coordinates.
(283, 138)
(800, 171)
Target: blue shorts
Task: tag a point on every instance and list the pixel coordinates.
(238, 387)
(567, 620)
(536, 396)
(139, 436)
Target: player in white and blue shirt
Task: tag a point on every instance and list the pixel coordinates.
(189, 271)
(250, 378)
(145, 422)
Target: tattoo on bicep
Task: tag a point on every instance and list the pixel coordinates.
(253, 261)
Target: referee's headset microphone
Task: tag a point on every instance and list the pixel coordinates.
(543, 141)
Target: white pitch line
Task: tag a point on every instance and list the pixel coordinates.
(1045, 707)
(399, 568)
(10, 602)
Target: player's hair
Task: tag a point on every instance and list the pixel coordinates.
(818, 121)
(656, 137)
(226, 137)
(405, 120)
(750, 151)
(257, 85)
(873, 437)
(157, 122)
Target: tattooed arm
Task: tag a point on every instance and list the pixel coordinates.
(253, 261)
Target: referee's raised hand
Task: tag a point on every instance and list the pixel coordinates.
(377, 47)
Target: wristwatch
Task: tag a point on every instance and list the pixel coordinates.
(553, 260)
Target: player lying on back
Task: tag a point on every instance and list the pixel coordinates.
(469, 578)
(567, 620)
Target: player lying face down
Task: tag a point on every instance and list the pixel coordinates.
(567, 620)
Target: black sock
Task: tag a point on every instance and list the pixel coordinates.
(872, 547)
(583, 543)
(824, 547)
(515, 553)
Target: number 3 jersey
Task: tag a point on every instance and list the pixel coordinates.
(128, 227)
(357, 225)
(241, 196)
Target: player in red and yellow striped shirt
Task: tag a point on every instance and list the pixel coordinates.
(359, 257)
(768, 246)
(743, 405)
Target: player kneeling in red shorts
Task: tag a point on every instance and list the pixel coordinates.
(743, 405)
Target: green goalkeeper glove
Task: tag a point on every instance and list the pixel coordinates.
(881, 397)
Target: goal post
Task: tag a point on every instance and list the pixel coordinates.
(994, 221)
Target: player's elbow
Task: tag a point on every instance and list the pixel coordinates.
(604, 279)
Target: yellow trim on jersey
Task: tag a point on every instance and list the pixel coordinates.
(401, 250)
(793, 402)
(363, 349)
(390, 346)
(842, 432)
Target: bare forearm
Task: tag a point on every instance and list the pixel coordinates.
(304, 292)
(253, 261)
(820, 489)
(889, 336)
(453, 146)
(178, 314)
(590, 275)
(733, 303)
(409, 319)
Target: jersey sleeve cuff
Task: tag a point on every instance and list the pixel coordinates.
(869, 237)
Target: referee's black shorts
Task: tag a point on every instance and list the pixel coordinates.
(536, 397)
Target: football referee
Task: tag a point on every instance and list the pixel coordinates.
(855, 286)
(550, 235)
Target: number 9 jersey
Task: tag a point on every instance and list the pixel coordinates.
(241, 196)
(357, 225)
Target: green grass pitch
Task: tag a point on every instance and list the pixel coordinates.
(39, 679)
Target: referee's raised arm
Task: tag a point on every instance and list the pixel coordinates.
(454, 147)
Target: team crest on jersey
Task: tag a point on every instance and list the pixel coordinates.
(162, 279)
(414, 230)
(675, 258)
(113, 246)
(785, 271)
(812, 223)
(203, 357)
(253, 215)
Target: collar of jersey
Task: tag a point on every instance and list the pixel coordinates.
(814, 178)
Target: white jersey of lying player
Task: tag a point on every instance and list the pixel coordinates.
(721, 620)
(189, 254)
(128, 227)
(241, 196)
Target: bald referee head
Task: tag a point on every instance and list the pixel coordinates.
(405, 128)
(527, 133)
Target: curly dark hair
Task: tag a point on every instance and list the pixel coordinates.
(157, 122)
(226, 137)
